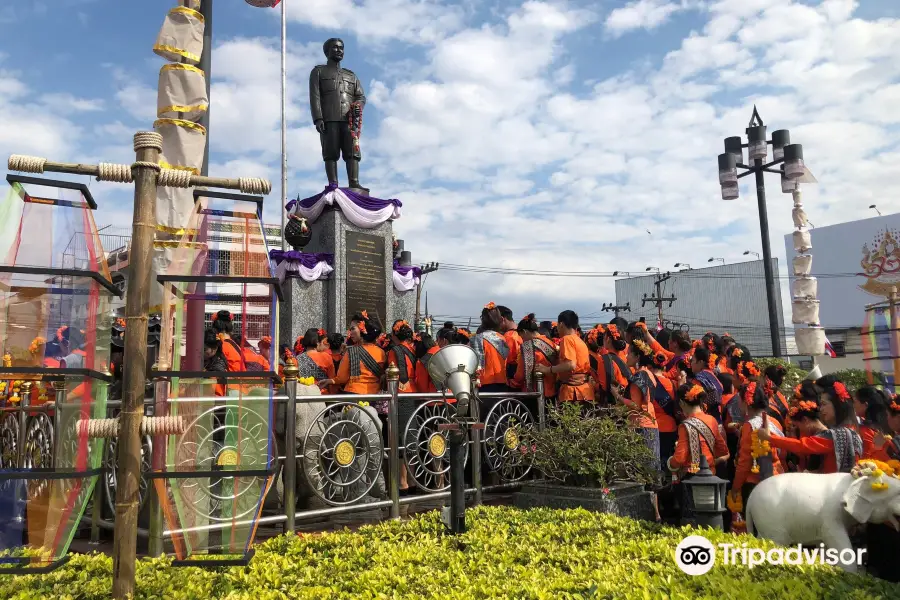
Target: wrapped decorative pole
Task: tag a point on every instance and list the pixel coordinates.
(810, 339)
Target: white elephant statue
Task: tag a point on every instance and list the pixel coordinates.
(809, 508)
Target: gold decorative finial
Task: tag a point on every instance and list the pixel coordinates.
(291, 370)
(393, 373)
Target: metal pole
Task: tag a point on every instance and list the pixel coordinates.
(541, 403)
(476, 454)
(393, 381)
(894, 333)
(147, 146)
(457, 521)
(97, 507)
(196, 309)
(418, 300)
(284, 160)
(767, 257)
(59, 389)
(25, 402)
(290, 447)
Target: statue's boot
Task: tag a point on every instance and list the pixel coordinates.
(331, 171)
(353, 174)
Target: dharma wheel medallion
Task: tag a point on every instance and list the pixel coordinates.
(344, 453)
(437, 445)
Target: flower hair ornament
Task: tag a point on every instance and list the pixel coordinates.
(798, 395)
(613, 332)
(894, 405)
(641, 325)
(713, 359)
(361, 326)
(769, 387)
(61, 333)
(749, 392)
(803, 406)
(322, 332)
(490, 306)
(643, 347)
(120, 322)
(417, 337)
(464, 332)
(840, 390)
(752, 369)
(365, 315)
(37, 345)
(529, 317)
(399, 325)
(737, 352)
(265, 341)
(694, 392)
(659, 359)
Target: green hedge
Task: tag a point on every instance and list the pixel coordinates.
(507, 553)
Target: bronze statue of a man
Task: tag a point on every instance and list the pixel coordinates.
(334, 95)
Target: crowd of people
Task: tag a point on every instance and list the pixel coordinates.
(687, 398)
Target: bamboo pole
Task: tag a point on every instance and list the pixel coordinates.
(137, 307)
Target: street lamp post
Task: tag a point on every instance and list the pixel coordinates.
(749, 252)
(714, 259)
(875, 208)
(792, 172)
(426, 269)
(683, 266)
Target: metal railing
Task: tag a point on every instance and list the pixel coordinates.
(390, 469)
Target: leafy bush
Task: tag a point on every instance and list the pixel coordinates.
(590, 448)
(507, 553)
(857, 378)
(793, 376)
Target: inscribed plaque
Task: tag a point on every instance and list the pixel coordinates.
(366, 277)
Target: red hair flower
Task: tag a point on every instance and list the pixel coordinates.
(361, 326)
(613, 332)
(399, 325)
(322, 332)
(490, 306)
(365, 315)
(749, 392)
(61, 332)
(894, 406)
(841, 392)
(265, 341)
(803, 406)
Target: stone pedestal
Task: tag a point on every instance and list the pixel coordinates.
(308, 306)
(357, 282)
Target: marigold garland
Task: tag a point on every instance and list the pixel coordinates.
(803, 406)
(894, 406)
(399, 325)
(37, 345)
(749, 392)
(875, 469)
(758, 449)
(612, 330)
(735, 502)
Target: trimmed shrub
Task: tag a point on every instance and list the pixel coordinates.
(793, 376)
(507, 553)
(856, 378)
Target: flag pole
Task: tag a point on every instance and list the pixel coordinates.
(284, 163)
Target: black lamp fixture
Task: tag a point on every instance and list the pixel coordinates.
(652, 269)
(683, 266)
(875, 208)
(708, 494)
(787, 162)
(714, 259)
(749, 252)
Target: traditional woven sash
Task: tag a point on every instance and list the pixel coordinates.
(309, 368)
(494, 339)
(847, 447)
(357, 355)
(527, 353)
(697, 429)
(403, 355)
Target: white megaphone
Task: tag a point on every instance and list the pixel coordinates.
(452, 368)
(816, 373)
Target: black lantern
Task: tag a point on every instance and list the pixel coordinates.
(708, 495)
(297, 232)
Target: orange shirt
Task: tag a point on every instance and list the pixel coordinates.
(619, 378)
(410, 386)
(252, 358)
(494, 370)
(514, 341)
(366, 382)
(869, 450)
(233, 356)
(666, 422)
(423, 380)
(744, 463)
(518, 379)
(575, 385)
(682, 457)
(640, 401)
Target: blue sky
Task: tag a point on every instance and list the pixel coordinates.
(522, 134)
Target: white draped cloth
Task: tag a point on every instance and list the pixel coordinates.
(359, 216)
(405, 283)
(285, 267)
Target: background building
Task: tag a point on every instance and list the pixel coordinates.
(725, 298)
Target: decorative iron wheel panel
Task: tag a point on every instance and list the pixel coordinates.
(38, 450)
(226, 435)
(426, 450)
(342, 453)
(109, 479)
(9, 441)
(505, 432)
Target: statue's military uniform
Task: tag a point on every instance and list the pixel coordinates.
(331, 92)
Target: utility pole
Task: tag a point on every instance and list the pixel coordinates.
(616, 308)
(426, 269)
(658, 299)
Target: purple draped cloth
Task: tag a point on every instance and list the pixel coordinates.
(365, 202)
(308, 260)
(416, 271)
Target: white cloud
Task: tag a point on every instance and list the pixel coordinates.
(642, 14)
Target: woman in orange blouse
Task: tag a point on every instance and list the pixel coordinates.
(613, 372)
(829, 449)
(315, 361)
(573, 365)
(402, 353)
(362, 367)
(871, 407)
(750, 471)
(425, 349)
(535, 349)
(639, 395)
(492, 351)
